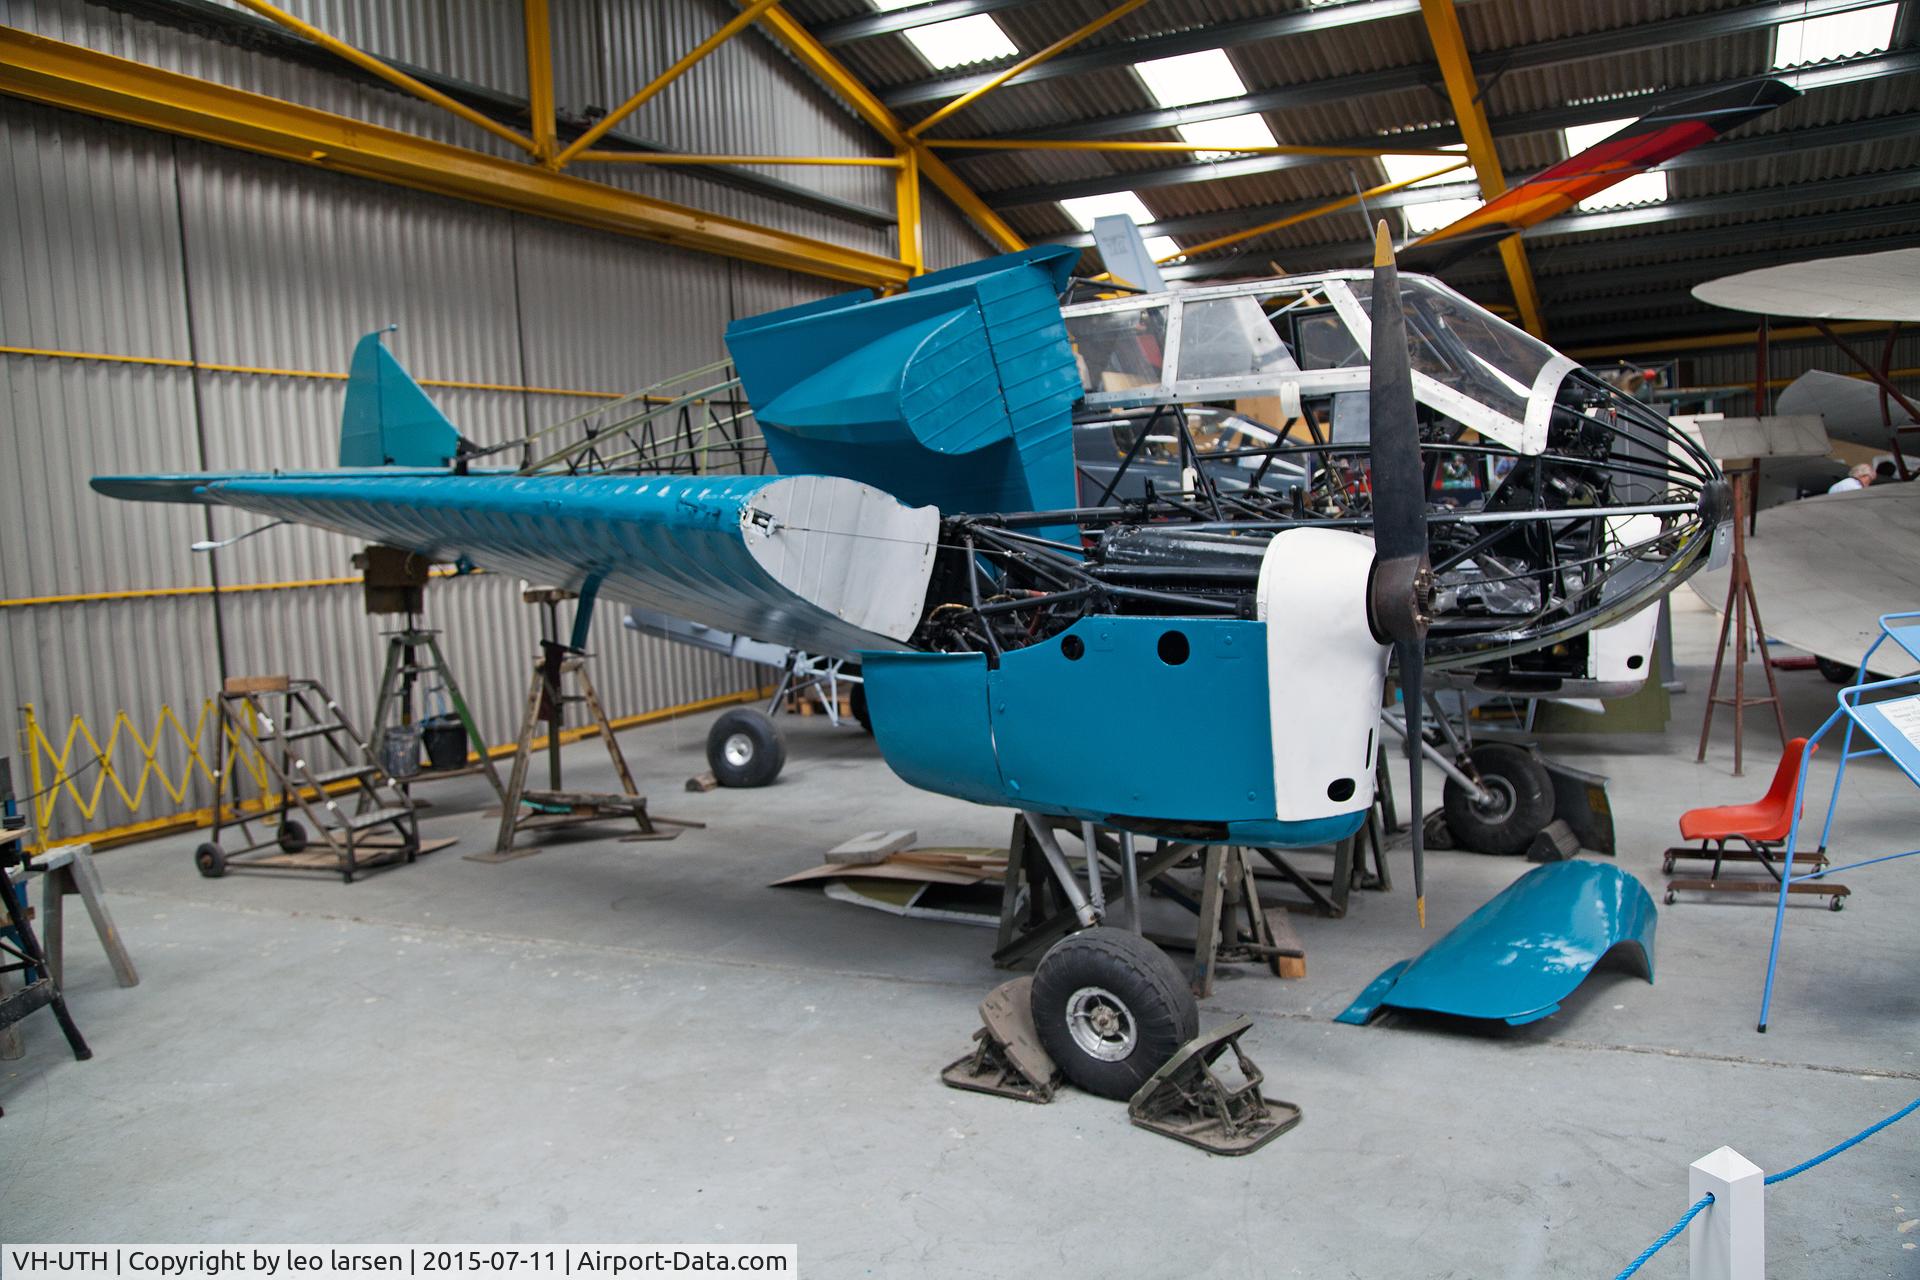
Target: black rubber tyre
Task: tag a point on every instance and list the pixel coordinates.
(1843, 672)
(858, 698)
(744, 749)
(210, 861)
(292, 837)
(1525, 801)
(1836, 672)
(1131, 1004)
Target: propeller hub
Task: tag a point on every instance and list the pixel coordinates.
(1400, 599)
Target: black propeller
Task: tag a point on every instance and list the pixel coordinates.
(1400, 595)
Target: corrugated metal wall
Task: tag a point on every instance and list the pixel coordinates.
(133, 243)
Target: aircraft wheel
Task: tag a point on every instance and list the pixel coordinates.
(210, 861)
(744, 749)
(1520, 809)
(1111, 1008)
(292, 836)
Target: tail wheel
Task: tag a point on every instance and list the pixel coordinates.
(744, 749)
(1111, 1008)
(1518, 806)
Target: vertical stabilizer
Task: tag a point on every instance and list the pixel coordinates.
(387, 420)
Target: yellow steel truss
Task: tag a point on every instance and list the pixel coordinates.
(80, 79)
(1456, 68)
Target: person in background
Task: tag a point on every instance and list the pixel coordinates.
(1859, 478)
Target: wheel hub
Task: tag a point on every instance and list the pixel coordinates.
(1101, 1024)
(738, 749)
(1500, 802)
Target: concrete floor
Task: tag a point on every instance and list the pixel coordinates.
(642, 1042)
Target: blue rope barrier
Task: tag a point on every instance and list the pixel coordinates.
(1693, 1210)
(1671, 1232)
(1856, 1139)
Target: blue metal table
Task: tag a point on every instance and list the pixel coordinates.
(1892, 725)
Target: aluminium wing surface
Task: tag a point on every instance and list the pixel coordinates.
(1825, 569)
(1861, 286)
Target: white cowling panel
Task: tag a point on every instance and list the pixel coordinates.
(1325, 671)
(847, 548)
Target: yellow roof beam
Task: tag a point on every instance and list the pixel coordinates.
(844, 85)
(733, 27)
(1131, 145)
(1307, 215)
(399, 79)
(1032, 60)
(1456, 68)
(546, 138)
(85, 80)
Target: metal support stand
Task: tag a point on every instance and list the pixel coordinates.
(1741, 602)
(554, 808)
(1228, 892)
(413, 652)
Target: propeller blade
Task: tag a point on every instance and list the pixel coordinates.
(1412, 666)
(1399, 505)
(1401, 592)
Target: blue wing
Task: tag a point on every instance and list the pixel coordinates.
(816, 562)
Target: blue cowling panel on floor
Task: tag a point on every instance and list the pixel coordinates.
(957, 393)
(1097, 735)
(672, 543)
(1521, 954)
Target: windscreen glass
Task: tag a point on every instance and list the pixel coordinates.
(1119, 350)
(1465, 348)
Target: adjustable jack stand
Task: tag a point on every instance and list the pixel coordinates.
(547, 700)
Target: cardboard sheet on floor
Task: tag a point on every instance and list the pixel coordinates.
(926, 866)
(924, 884)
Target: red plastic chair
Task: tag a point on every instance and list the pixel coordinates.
(1760, 826)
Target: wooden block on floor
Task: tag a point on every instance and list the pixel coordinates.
(1291, 962)
(703, 782)
(871, 846)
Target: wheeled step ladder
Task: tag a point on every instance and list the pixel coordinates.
(351, 817)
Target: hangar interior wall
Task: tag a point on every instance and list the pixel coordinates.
(132, 243)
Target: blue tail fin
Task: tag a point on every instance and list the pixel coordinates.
(387, 420)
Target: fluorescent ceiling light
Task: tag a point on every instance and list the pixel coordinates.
(961, 41)
(1435, 214)
(1400, 168)
(1084, 209)
(1581, 136)
(1834, 36)
(1192, 77)
(1235, 133)
(1641, 188)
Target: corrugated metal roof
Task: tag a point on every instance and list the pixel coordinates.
(1492, 28)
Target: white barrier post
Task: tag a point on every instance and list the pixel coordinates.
(1728, 1240)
